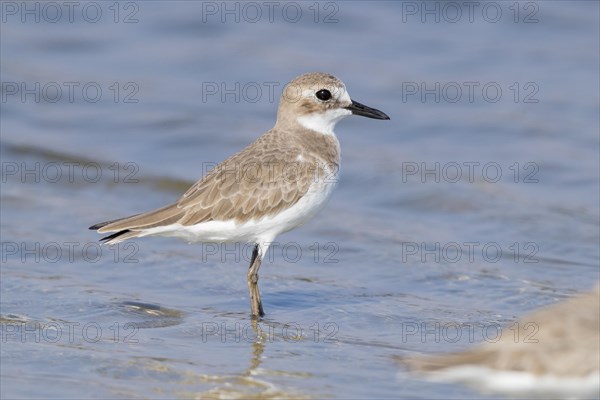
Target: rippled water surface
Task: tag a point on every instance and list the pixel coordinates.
(476, 203)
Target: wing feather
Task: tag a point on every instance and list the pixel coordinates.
(249, 185)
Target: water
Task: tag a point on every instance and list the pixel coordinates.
(398, 249)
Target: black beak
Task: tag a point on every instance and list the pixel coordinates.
(361, 109)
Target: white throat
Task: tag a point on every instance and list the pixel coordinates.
(324, 122)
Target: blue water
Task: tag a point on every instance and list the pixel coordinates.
(477, 203)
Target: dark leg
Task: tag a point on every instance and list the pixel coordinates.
(255, 303)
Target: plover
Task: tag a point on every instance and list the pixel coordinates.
(553, 352)
(272, 186)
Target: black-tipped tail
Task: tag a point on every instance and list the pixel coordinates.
(103, 224)
(99, 225)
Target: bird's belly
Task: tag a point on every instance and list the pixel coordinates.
(305, 209)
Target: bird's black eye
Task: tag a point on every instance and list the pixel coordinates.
(323, 94)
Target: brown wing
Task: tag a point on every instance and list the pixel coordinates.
(260, 180)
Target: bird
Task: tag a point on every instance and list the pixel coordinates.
(275, 184)
(552, 352)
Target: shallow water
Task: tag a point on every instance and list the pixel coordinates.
(405, 252)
